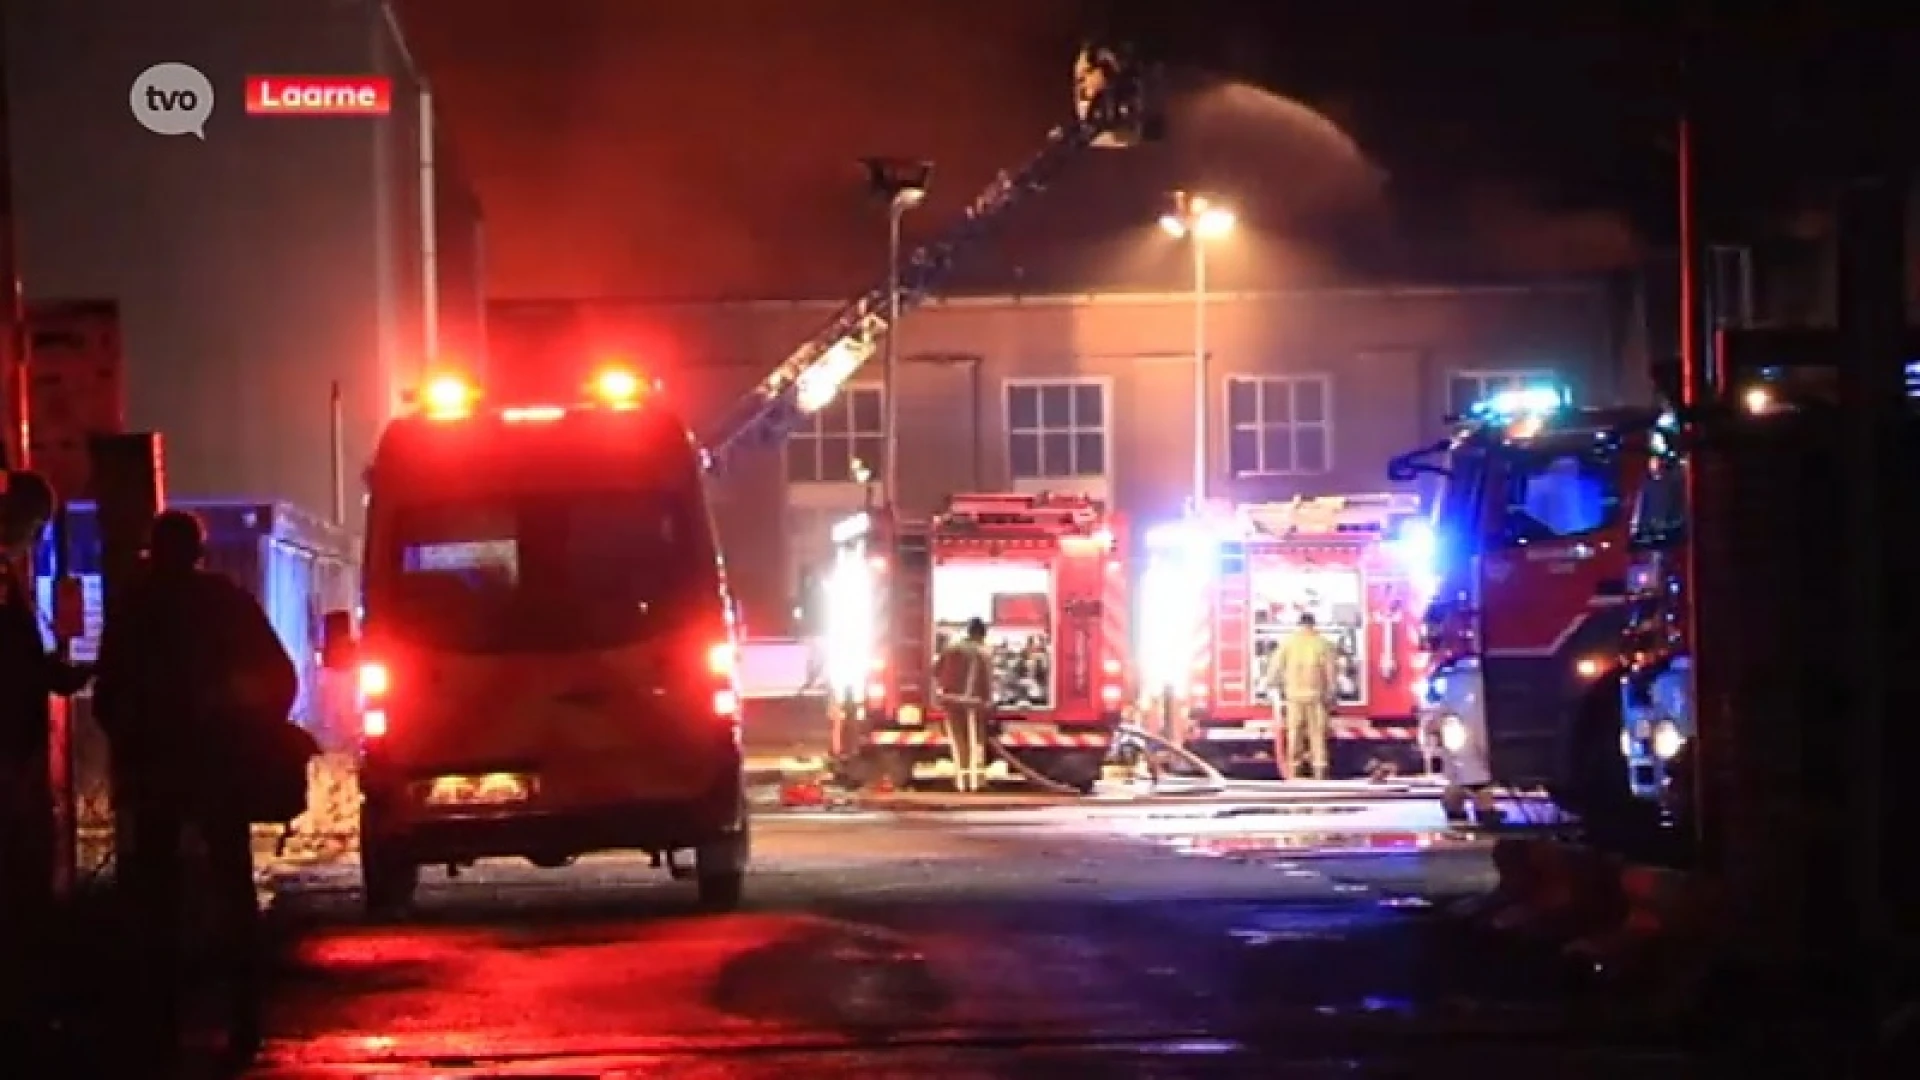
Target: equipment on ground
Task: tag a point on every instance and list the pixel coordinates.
(1046, 573)
(1221, 591)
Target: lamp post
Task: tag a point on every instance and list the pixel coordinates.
(903, 183)
(1197, 220)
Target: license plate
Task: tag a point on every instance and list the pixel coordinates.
(491, 789)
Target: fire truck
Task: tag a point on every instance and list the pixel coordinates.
(1769, 372)
(1047, 574)
(1656, 679)
(1223, 590)
(1530, 525)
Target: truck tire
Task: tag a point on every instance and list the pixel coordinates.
(720, 869)
(387, 882)
(1594, 782)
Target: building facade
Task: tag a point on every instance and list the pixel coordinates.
(1307, 393)
(258, 267)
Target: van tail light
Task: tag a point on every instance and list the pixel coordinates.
(723, 666)
(375, 683)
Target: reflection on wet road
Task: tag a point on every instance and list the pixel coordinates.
(1158, 942)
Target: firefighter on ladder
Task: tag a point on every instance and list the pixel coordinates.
(1303, 675)
(964, 675)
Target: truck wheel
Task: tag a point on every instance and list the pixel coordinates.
(1594, 782)
(720, 870)
(387, 882)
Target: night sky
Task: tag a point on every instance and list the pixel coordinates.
(700, 149)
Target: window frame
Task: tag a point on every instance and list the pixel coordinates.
(816, 439)
(1292, 380)
(1074, 481)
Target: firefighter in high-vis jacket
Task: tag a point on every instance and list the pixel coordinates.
(1304, 676)
(964, 675)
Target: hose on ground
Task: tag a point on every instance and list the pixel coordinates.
(1211, 780)
(1027, 772)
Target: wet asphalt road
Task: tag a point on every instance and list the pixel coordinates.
(1124, 941)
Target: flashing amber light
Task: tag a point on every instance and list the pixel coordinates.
(447, 397)
(617, 387)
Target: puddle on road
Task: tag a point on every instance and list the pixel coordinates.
(1297, 923)
(857, 980)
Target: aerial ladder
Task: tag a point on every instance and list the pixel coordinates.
(1113, 108)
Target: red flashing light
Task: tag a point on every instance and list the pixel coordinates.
(448, 397)
(617, 387)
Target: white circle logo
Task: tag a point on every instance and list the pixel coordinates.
(172, 99)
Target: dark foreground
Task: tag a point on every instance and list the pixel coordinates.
(954, 945)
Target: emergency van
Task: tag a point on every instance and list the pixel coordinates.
(547, 657)
(1046, 573)
(1223, 589)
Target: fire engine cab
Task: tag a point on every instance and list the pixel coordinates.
(1531, 526)
(1223, 590)
(1044, 572)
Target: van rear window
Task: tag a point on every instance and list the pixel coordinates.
(547, 572)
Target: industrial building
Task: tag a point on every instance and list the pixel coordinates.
(1308, 392)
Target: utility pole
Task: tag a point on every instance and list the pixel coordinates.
(13, 317)
(903, 183)
(1198, 221)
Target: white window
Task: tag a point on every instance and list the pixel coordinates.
(1465, 389)
(1057, 429)
(1280, 425)
(850, 428)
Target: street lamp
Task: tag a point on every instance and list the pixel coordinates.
(1197, 220)
(903, 183)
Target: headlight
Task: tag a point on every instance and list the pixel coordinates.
(1667, 740)
(1453, 734)
(909, 715)
(1626, 743)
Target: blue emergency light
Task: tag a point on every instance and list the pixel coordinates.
(1522, 401)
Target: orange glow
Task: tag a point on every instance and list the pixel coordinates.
(375, 680)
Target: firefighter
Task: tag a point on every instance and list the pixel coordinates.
(1304, 676)
(964, 676)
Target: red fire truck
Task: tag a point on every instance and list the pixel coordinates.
(1047, 575)
(1223, 590)
(1531, 531)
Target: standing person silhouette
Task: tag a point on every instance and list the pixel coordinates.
(191, 673)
